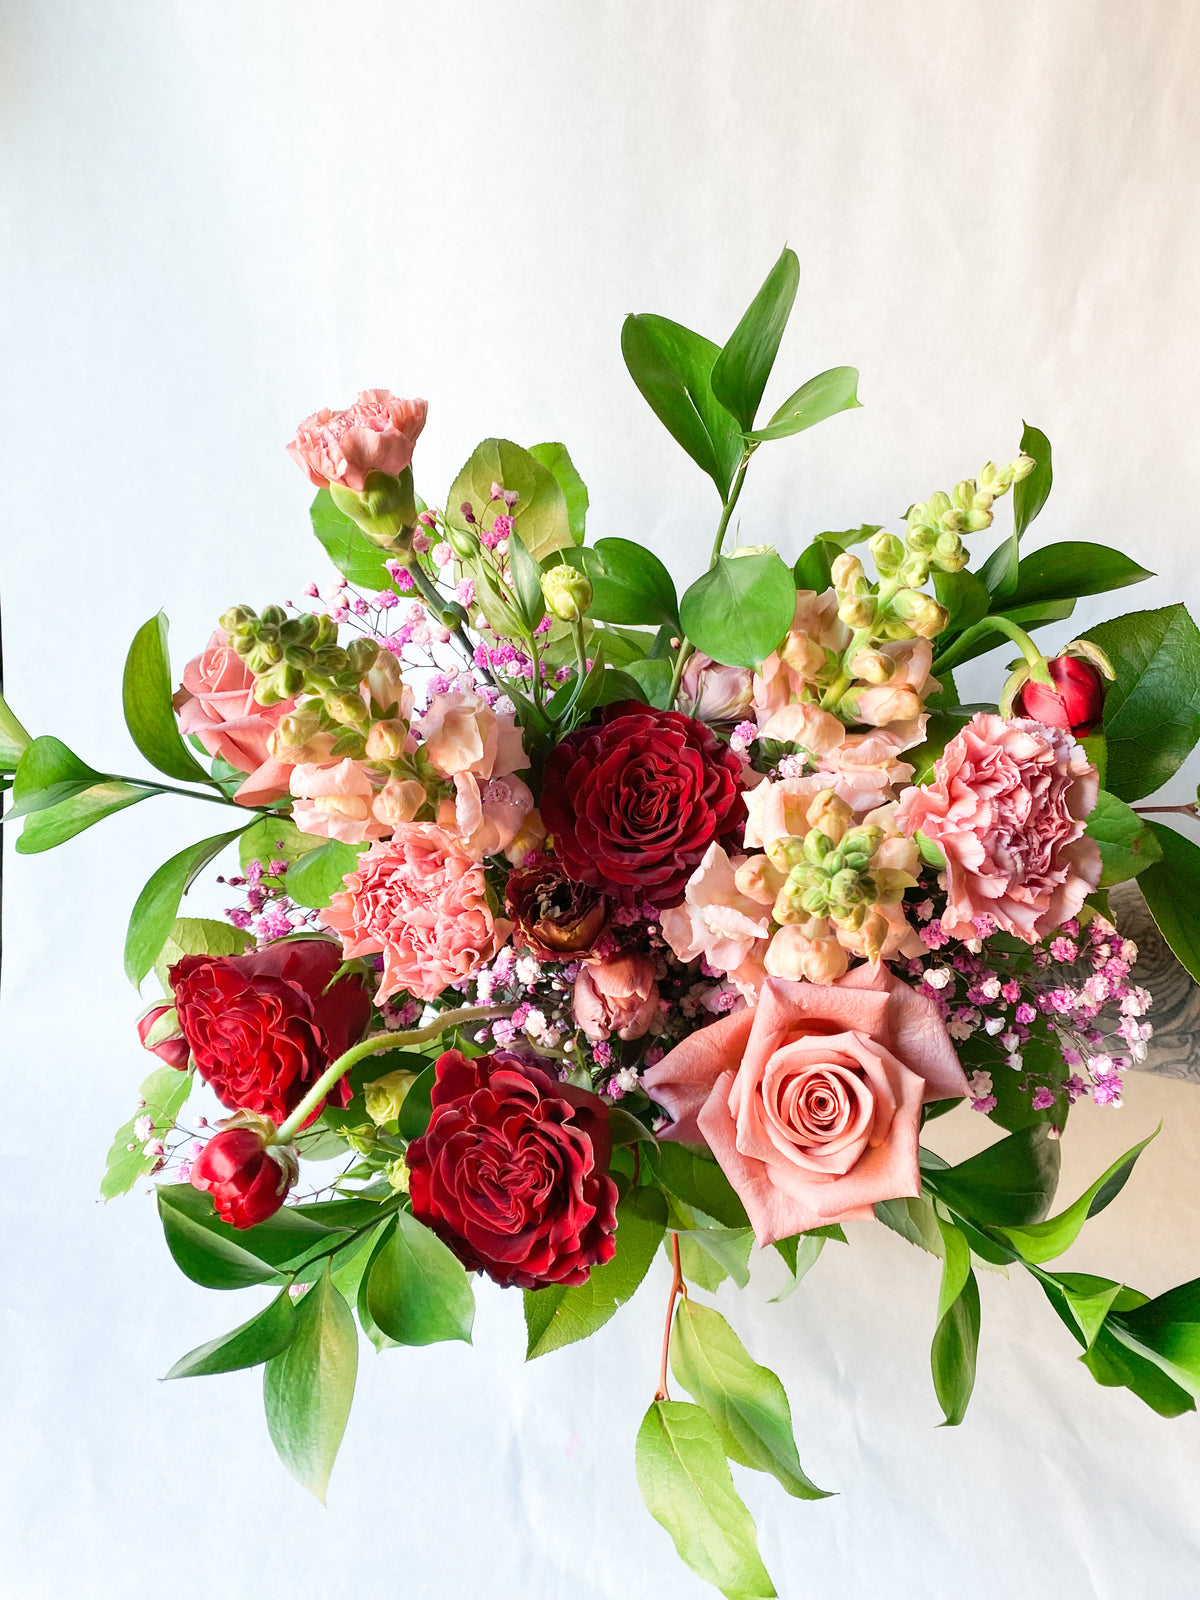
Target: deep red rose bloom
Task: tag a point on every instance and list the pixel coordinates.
(247, 1178)
(512, 1172)
(1075, 702)
(635, 799)
(262, 1028)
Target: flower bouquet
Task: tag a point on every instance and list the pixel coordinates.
(578, 920)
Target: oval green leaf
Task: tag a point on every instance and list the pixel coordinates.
(308, 1388)
(418, 1291)
(146, 699)
(738, 612)
(249, 1345)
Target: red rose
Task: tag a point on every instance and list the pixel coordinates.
(262, 1027)
(634, 800)
(162, 1037)
(512, 1172)
(247, 1178)
(1076, 701)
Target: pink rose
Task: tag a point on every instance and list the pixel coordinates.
(420, 902)
(376, 434)
(461, 733)
(811, 1102)
(714, 693)
(618, 996)
(217, 704)
(336, 802)
(1008, 808)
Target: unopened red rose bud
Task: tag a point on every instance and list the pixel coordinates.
(248, 1178)
(161, 1034)
(1076, 701)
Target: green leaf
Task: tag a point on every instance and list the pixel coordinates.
(275, 838)
(418, 1291)
(1083, 1302)
(688, 1172)
(197, 936)
(1001, 570)
(254, 1342)
(696, 1265)
(746, 1402)
(1115, 1364)
(149, 714)
(821, 397)
(914, 1220)
(153, 914)
(630, 585)
(1011, 1183)
(801, 1254)
(164, 1093)
(686, 1485)
(540, 514)
(1152, 710)
(308, 1388)
(814, 569)
(354, 555)
(1167, 1330)
(1071, 569)
(555, 459)
(1172, 890)
(672, 367)
(560, 1315)
(527, 582)
(654, 679)
(418, 1106)
(740, 609)
(964, 595)
(740, 372)
(54, 826)
(211, 1253)
(956, 1339)
(1127, 845)
(321, 873)
(728, 1249)
(14, 741)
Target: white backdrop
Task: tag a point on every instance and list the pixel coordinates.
(219, 217)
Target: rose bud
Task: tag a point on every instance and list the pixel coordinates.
(1075, 702)
(160, 1032)
(556, 918)
(567, 593)
(618, 996)
(247, 1177)
(713, 693)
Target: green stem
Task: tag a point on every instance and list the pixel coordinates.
(375, 1046)
(727, 510)
(686, 649)
(191, 794)
(961, 647)
(437, 604)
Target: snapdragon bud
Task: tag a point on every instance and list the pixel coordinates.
(921, 612)
(847, 575)
(386, 741)
(785, 853)
(361, 655)
(859, 610)
(872, 666)
(567, 592)
(349, 708)
(887, 552)
(915, 572)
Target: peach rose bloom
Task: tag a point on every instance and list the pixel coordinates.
(217, 704)
(461, 733)
(335, 802)
(1008, 807)
(811, 1102)
(378, 433)
(618, 996)
(711, 692)
(420, 902)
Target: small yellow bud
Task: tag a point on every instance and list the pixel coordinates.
(567, 592)
(386, 1095)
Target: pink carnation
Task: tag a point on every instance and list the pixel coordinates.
(420, 902)
(217, 704)
(376, 434)
(1007, 808)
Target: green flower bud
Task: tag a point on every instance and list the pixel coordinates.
(887, 552)
(263, 657)
(922, 537)
(817, 846)
(568, 593)
(463, 542)
(326, 633)
(939, 504)
(1022, 467)
(386, 1095)
(349, 708)
(274, 617)
(785, 853)
(238, 618)
(329, 659)
(298, 655)
(815, 902)
(915, 572)
(361, 656)
(921, 612)
(866, 838)
(396, 1173)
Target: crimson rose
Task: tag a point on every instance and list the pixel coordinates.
(262, 1027)
(512, 1172)
(247, 1177)
(635, 799)
(1075, 702)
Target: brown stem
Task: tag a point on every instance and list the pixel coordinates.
(678, 1287)
(1189, 810)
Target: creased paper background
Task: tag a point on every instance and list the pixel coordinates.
(219, 217)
